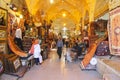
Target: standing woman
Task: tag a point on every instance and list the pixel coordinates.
(59, 47)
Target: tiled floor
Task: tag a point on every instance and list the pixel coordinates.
(55, 69)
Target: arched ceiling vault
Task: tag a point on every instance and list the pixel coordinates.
(74, 9)
(72, 6)
(60, 13)
(77, 8)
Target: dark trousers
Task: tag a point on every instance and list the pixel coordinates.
(59, 51)
(18, 41)
(36, 61)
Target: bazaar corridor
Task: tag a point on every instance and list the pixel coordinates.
(59, 39)
(55, 69)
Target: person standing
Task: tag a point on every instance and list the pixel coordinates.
(36, 51)
(59, 47)
(86, 39)
(67, 42)
(18, 37)
(53, 44)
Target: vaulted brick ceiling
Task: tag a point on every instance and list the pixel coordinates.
(73, 9)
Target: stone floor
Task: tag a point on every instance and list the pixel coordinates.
(55, 69)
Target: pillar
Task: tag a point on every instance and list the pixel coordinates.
(91, 25)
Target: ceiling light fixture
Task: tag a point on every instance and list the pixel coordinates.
(63, 14)
(64, 24)
(51, 1)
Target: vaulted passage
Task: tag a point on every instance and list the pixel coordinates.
(59, 39)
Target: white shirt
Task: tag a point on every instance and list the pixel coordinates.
(18, 33)
(37, 51)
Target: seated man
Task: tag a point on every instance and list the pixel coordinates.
(81, 48)
(78, 49)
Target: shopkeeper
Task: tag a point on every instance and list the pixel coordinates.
(18, 37)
